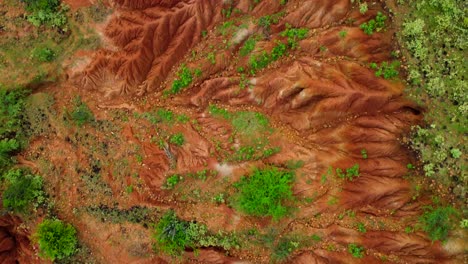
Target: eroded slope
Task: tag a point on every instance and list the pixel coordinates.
(316, 101)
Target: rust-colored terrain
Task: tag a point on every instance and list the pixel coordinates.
(323, 103)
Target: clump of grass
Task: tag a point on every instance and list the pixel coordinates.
(266, 192)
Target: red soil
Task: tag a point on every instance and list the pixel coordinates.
(326, 106)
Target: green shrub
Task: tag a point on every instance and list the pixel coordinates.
(266, 21)
(356, 250)
(47, 12)
(278, 51)
(185, 78)
(259, 61)
(56, 239)
(265, 192)
(81, 113)
(12, 135)
(7, 148)
(12, 104)
(376, 24)
(386, 70)
(43, 54)
(350, 172)
(22, 190)
(434, 39)
(294, 35)
(438, 222)
(249, 46)
(172, 236)
(172, 181)
(177, 139)
(284, 248)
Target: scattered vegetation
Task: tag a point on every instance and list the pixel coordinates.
(57, 240)
(172, 181)
(374, 25)
(135, 214)
(434, 35)
(350, 174)
(266, 192)
(263, 59)
(268, 20)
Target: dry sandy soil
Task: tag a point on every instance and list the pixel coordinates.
(323, 103)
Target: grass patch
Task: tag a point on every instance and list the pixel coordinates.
(266, 192)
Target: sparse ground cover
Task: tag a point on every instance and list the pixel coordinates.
(218, 172)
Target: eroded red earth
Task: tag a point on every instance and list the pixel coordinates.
(324, 104)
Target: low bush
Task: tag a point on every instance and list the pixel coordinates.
(356, 250)
(185, 78)
(438, 222)
(374, 25)
(43, 54)
(47, 12)
(177, 139)
(386, 70)
(266, 192)
(81, 113)
(173, 235)
(57, 240)
(12, 135)
(249, 46)
(22, 190)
